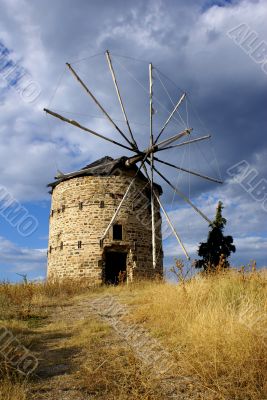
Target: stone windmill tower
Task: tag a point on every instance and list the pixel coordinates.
(83, 203)
(105, 218)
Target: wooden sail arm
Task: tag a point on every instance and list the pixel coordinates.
(172, 139)
(118, 210)
(183, 196)
(151, 155)
(167, 218)
(122, 200)
(120, 98)
(75, 123)
(186, 142)
(172, 227)
(189, 171)
(154, 148)
(170, 116)
(98, 104)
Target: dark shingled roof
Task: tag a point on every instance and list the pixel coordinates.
(105, 166)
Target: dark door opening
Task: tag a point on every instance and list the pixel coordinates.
(115, 264)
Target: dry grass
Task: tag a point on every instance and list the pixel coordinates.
(110, 370)
(216, 328)
(24, 308)
(12, 391)
(21, 301)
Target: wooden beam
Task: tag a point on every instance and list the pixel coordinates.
(183, 196)
(167, 218)
(119, 97)
(134, 160)
(154, 259)
(170, 116)
(186, 142)
(122, 201)
(189, 171)
(75, 123)
(98, 104)
(172, 139)
(172, 228)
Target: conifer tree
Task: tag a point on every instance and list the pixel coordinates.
(218, 248)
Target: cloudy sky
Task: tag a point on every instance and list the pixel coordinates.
(213, 50)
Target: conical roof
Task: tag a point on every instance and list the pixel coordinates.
(104, 166)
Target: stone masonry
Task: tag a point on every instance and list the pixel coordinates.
(81, 210)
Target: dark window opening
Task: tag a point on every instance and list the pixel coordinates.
(118, 196)
(80, 205)
(52, 213)
(50, 249)
(101, 204)
(61, 246)
(115, 267)
(117, 232)
(63, 208)
(79, 244)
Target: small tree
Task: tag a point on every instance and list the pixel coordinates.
(218, 248)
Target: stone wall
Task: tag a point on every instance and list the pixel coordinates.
(81, 210)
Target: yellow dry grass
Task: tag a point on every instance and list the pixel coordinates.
(217, 328)
(12, 391)
(214, 326)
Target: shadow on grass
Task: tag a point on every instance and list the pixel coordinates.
(54, 358)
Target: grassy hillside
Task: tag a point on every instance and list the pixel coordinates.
(214, 329)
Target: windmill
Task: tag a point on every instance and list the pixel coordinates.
(148, 160)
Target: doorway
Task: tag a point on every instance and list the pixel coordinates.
(115, 264)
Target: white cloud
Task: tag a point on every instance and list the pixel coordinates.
(20, 259)
(215, 56)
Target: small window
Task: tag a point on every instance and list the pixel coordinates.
(80, 205)
(101, 204)
(117, 232)
(63, 208)
(52, 213)
(79, 244)
(61, 246)
(50, 249)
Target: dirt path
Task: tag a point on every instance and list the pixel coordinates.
(149, 351)
(62, 352)
(56, 374)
